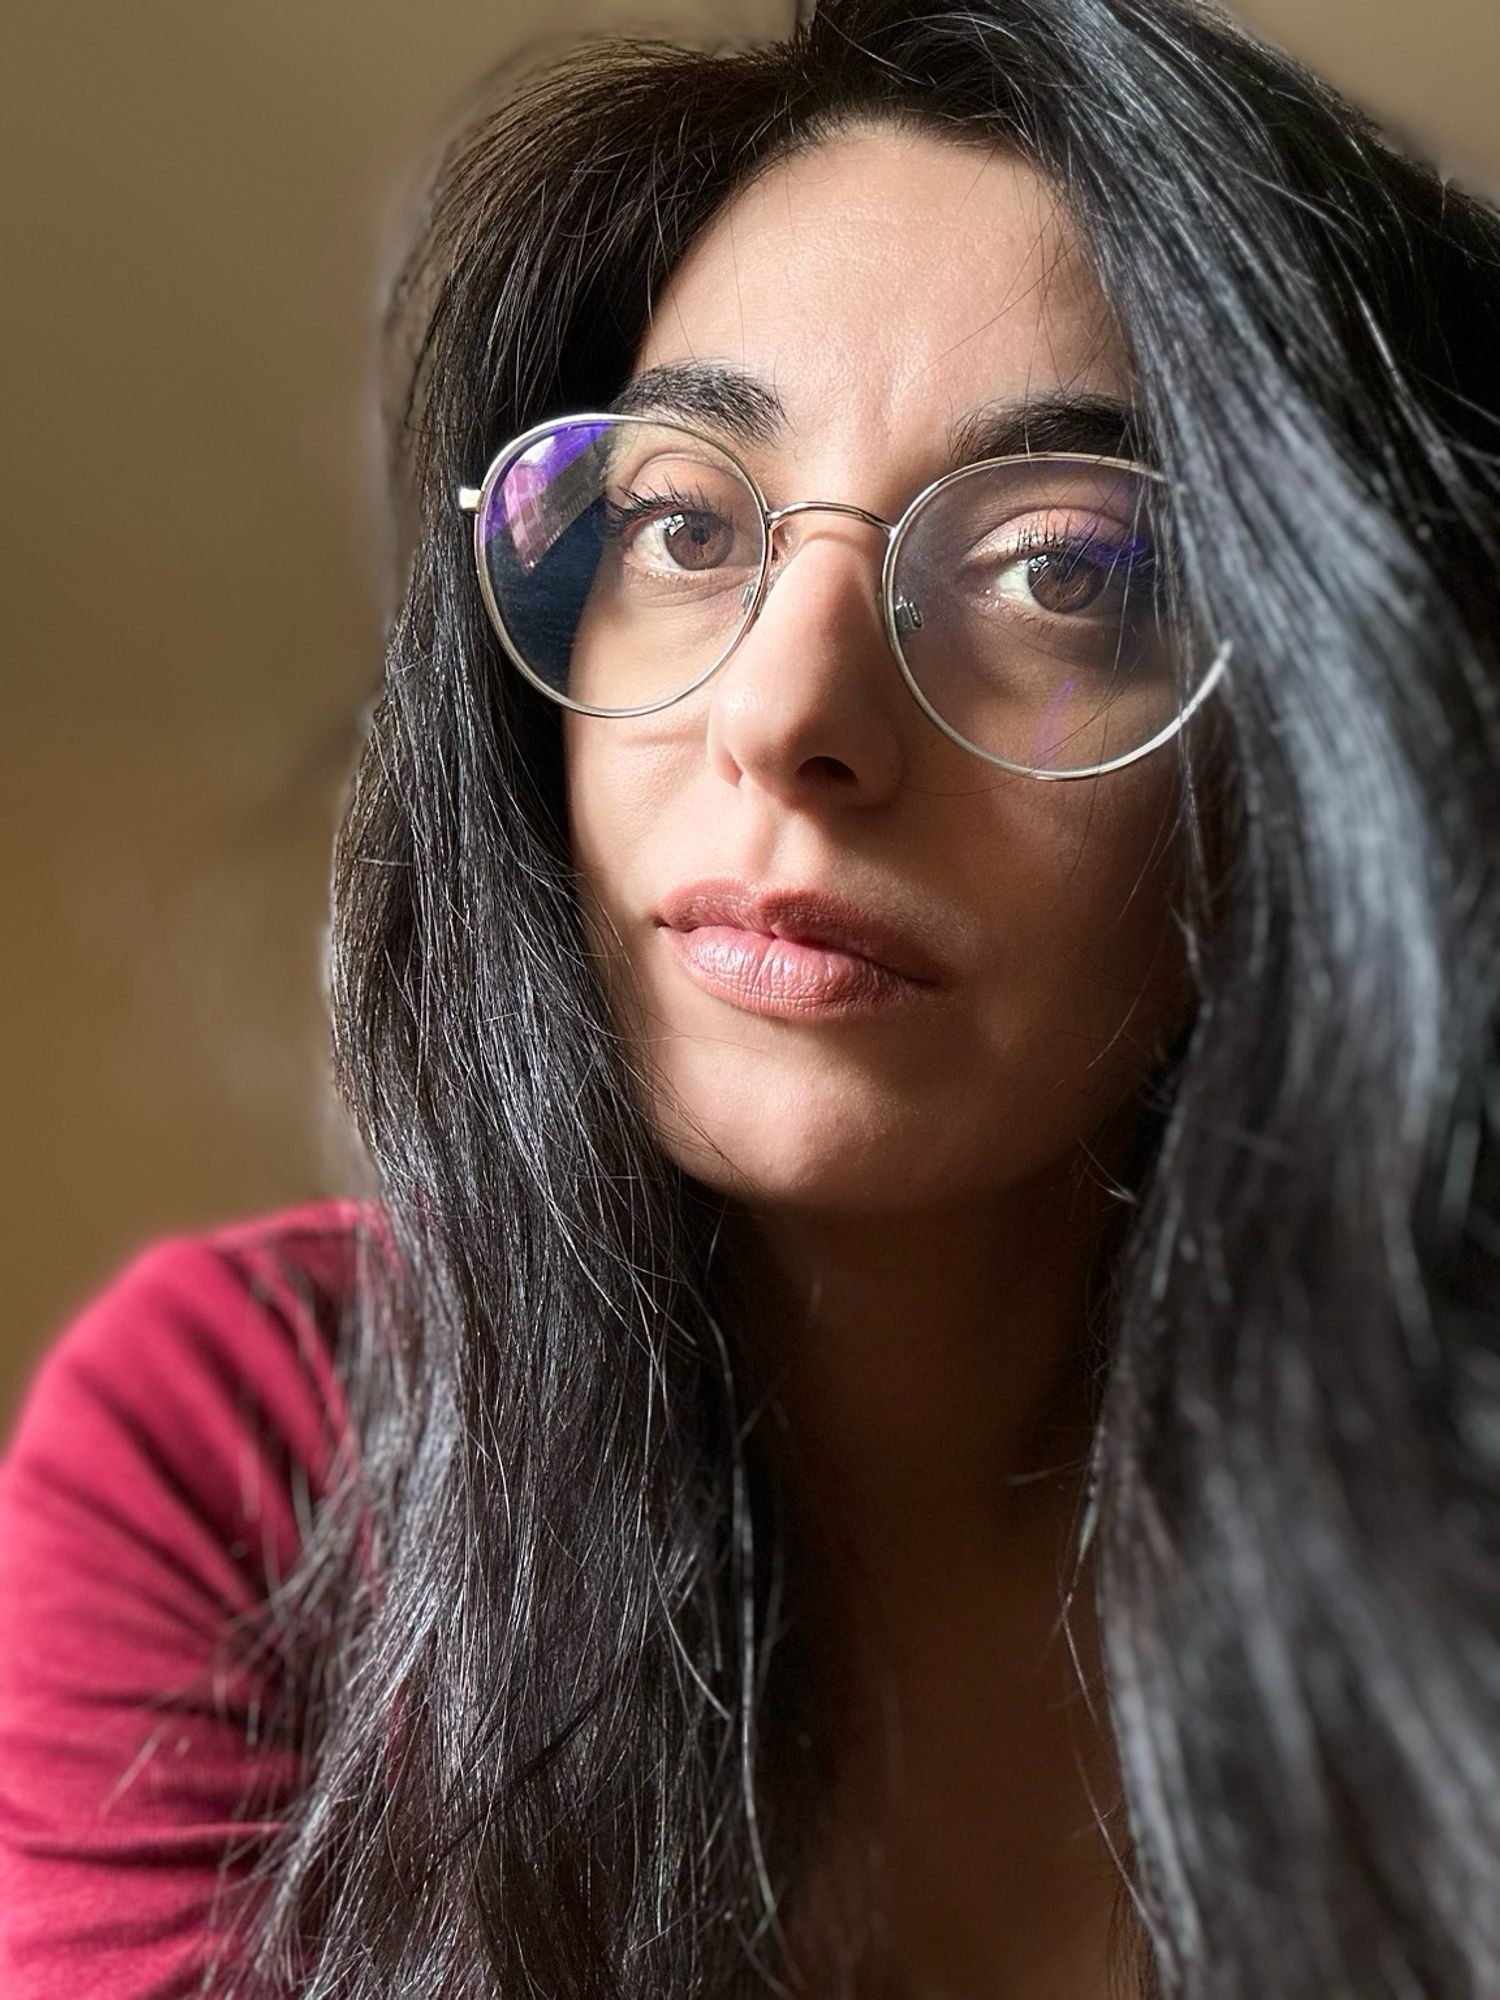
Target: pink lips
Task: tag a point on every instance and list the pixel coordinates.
(793, 952)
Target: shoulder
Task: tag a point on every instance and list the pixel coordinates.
(186, 1389)
(155, 1488)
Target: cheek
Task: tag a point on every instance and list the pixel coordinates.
(597, 819)
(620, 793)
(578, 741)
(619, 787)
(1087, 897)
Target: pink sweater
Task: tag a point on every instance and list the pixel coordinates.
(154, 1486)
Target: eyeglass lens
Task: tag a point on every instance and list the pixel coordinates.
(622, 561)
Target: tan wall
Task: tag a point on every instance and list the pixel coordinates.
(1431, 68)
(196, 198)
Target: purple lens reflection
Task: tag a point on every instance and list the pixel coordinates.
(1051, 731)
(516, 498)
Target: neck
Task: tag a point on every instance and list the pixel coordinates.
(932, 1368)
(932, 1379)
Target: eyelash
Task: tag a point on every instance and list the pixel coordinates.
(1119, 555)
(641, 506)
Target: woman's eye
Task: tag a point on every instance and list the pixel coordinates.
(672, 531)
(1072, 579)
(1064, 582)
(688, 539)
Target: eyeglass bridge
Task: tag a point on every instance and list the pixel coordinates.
(908, 617)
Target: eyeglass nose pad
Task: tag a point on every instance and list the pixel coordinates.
(747, 597)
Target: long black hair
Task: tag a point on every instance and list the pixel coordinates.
(557, 1739)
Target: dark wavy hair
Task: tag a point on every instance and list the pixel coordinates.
(557, 1734)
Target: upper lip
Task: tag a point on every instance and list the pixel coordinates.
(803, 916)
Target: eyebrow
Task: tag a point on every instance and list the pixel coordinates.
(749, 411)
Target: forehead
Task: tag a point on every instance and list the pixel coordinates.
(887, 281)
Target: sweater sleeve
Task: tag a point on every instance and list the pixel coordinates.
(156, 1486)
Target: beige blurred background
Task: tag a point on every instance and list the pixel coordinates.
(198, 206)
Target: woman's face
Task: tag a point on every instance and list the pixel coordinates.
(882, 287)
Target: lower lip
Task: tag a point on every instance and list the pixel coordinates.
(797, 982)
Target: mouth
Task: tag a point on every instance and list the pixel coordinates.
(803, 916)
(794, 952)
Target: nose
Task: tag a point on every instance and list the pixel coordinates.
(810, 704)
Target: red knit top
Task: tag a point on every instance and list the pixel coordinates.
(156, 1484)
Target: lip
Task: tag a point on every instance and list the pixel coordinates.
(778, 976)
(805, 916)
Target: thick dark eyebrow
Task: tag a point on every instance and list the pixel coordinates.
(1060, 420)
(746, 410)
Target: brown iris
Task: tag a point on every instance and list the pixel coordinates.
(1065, 583)
(696, 541)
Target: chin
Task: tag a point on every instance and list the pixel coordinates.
(820, 1166)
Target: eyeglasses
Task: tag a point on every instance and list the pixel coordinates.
(623, 558)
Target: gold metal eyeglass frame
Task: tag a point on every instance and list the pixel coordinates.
(475, 500)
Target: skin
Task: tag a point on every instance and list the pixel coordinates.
(916, 1198)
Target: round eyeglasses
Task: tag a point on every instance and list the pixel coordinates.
(623, 558)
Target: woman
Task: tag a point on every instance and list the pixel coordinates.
(915, 946)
